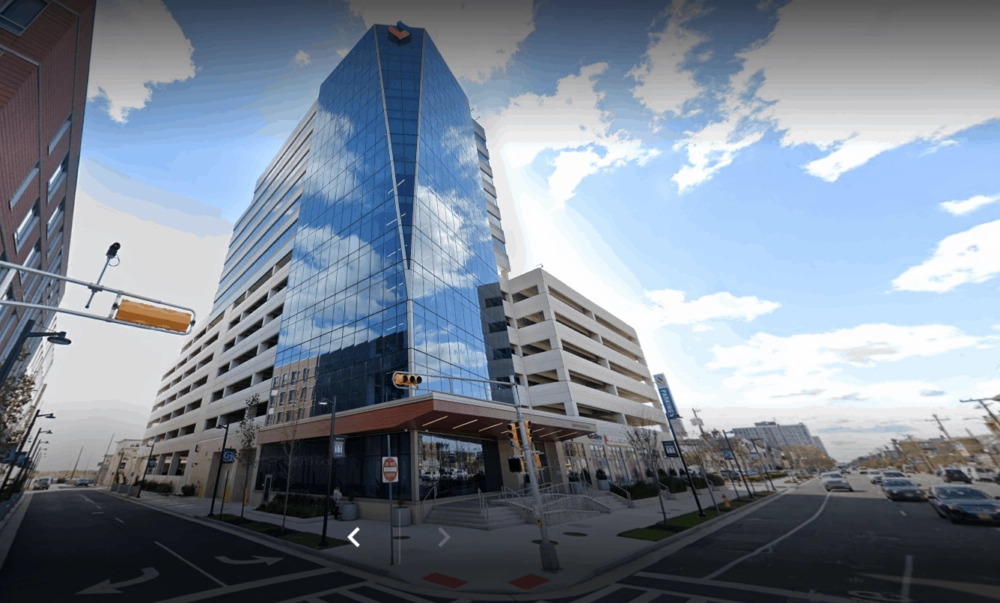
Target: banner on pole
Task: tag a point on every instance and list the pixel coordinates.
(728, 455)
(669, 408)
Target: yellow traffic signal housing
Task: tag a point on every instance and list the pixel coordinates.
(153, 316)
(406, 380)
(515, 464)
(527, 431)
(538, 459)
(511, 431)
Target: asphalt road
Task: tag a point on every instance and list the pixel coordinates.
(839, 547)
(83, 545)
(806, 545)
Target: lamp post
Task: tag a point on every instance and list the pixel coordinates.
(218, 473)
(31, 452)
(329, 477)
(26, 333)
(767, 473)
(24, 440)
(145, 470)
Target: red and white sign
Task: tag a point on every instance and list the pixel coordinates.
(390, 469)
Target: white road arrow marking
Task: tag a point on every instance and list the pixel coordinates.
(107, 588)
(351, 537)
(256, 559)
(446, 537)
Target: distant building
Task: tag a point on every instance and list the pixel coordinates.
(818, 443)
(44, 64)
(124, 464)
(779, 436)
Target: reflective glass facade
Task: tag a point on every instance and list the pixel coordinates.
(393, 256)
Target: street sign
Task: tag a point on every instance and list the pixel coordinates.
(151, 463)
(229, 455)
(669, 408)
(670, 449)
(728, 455)
(390, 469)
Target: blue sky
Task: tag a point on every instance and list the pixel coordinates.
(757, 188)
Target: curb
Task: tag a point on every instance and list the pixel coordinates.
(690, 536)
(14, 516)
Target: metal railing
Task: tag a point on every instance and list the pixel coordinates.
(423, 501)
(484, 508)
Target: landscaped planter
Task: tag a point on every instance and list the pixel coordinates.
(349, 511)
(604, 484)
(401, 517)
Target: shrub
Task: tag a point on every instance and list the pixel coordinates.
(299, 505)
(640, 490)
(716, 479)
(675, 485)
(158, 487)
(601, 474)
(189, 490)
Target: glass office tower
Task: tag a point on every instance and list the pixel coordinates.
(393, 251)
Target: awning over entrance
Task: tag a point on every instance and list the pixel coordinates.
(439, 413)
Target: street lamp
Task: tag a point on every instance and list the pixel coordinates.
(329, 476)
(27, 432)
(218, 473)
(738, 468)
(54, 338)
(145, 470)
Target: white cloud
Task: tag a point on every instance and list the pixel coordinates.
(661, 85)
(137, 46)
(477, 39)
(670, 308)
(972, 256)
(767, 366)
(302, 58)
(860, 77)
(343, 51)
(960, 208)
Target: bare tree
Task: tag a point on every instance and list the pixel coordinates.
(646, 444)
(15, 397)
(247, 453)
(290, 446)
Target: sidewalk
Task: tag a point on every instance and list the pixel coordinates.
(498, 561)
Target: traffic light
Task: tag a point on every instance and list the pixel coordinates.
(406, 380)
(527, 431)
(152, 316)
(511, 431)
(515, 464)
(538, 459)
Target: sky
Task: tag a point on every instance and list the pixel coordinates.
(795, 203)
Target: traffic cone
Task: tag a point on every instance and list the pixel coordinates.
(725, 502)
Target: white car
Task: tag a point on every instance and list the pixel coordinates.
(836, 481)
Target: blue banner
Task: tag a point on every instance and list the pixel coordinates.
(669, 408)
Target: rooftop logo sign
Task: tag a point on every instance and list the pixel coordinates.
(398, 34)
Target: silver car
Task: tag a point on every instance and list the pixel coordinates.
(836, 481)
(902, 489)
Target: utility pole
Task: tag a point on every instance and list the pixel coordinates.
(698, 422)
(104, 462)
(982, 402)
(77, 463)
(941, 426)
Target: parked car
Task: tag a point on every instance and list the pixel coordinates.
(979, 474)
(836, 481)
(875, 477)
(894, 474)
(963, 503)
(83, 482)
(863, 472)
(955, 475)
(895, 488)
(42, 483)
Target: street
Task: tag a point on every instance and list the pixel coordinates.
(804, 545)
(848, 546)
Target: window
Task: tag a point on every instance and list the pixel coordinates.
(294, 378)
(284, 380)
(281, 399)
(276, 382)
(24, 186)
(495, 221)
(60, 133)
(305, 374)
(59, 176)
(54, 218)
(487, 178)
(291, 397)
(25, 227)
(18, 15)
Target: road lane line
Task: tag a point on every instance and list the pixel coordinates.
(90, 501)
(203, 572)
(904, 592)
(244, 586)
(765, 590)
(771, 544)
(118, 520)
